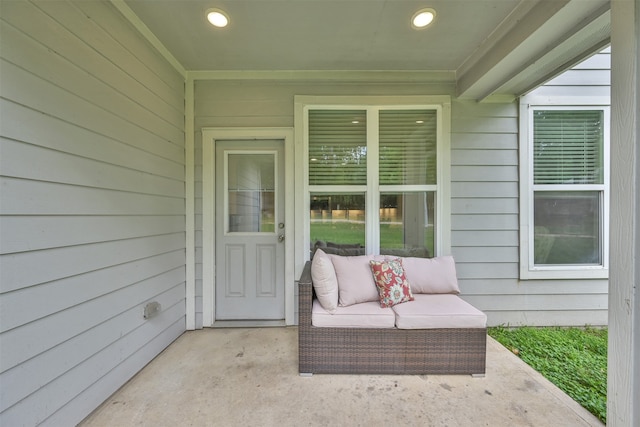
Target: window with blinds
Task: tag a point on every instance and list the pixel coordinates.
(391, 212)
(407, 147)
(337, 147)
(568, 146)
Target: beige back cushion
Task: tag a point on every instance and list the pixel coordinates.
(431, 275)
(355, 279)
(325, 283)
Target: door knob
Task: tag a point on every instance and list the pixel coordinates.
(281, 238)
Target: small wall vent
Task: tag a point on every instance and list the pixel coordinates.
(151, 309)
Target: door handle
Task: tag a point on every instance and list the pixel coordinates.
(281, 238)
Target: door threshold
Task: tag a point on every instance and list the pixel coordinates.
(248, 323)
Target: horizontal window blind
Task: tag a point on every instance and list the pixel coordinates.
(337, 147)
(408, 142)
(568, 146)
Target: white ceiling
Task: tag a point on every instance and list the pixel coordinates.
(487, 47)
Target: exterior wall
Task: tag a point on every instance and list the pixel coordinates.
(93, 208)
(484, 174)
(485, 240)
(267, 104)
(565, 302)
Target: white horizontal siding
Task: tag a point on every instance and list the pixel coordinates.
(494, 286)
(49, 132)
(92, 205)
(21, 234)
(540, 302)
(543, 302)
(591, 78)
(578, 318)
(57, 263)
(50, 357)
(48, 198)
(57, 295)
(80, 171)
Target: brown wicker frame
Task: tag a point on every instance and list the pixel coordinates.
(325, 350)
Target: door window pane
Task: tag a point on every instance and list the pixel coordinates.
(567, 228)
(251, 192)
(338, 223)
(407, 222)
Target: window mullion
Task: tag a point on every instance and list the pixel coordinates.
(373, 193)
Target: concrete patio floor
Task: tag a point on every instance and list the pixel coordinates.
(249, 377)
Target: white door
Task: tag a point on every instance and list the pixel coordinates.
(249, 230)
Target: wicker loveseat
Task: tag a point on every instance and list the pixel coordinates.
(342, 350)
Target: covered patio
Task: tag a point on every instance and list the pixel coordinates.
(107, 197)
(245, 376)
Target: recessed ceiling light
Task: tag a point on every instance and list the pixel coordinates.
(217, 18)
(422, 18)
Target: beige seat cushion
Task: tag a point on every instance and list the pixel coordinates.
(438, 311)
(363, 315)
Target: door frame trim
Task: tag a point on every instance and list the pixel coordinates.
(209, 138)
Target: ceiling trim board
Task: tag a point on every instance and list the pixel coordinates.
(506, 28)
(351, 76)
(508, 38)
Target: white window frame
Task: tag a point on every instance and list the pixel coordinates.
(372, 189)
(528, 270)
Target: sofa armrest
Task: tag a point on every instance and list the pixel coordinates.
(305, 297)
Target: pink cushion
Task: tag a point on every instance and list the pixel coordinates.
(325, 282)
(438, 311)
(431, 275)
(355, 280)
(391, 282)
(363, 315)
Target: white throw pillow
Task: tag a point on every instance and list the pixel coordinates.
(355, 280)
(325, 282)
(431, 275)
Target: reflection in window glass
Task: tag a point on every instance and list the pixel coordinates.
(408, 142)
(337, 147)
(338, 223)
(568, 146)
(251, 193)
(407, 222)
(567, 228)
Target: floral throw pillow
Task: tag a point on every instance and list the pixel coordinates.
(391, 282)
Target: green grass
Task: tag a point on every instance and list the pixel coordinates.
(574, 359)
(391, 236)
(338, 232)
